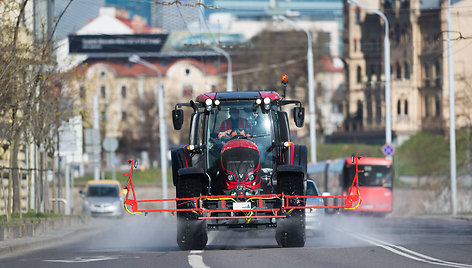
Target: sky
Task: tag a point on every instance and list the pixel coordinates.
(76, 16)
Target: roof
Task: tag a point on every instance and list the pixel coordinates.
(111, 182)
(376, 161)
(238, 95)
(125, 68)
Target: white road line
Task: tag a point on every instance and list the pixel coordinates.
(407, 253)
(418, 254)
(196, 261)
(195, 258)
(84, 259)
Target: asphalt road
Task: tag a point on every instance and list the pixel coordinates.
(149, 241)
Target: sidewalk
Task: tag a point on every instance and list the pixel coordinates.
(19, 238)
(16, 246)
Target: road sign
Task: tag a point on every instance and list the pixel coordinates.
(388, 150)
(110, 144)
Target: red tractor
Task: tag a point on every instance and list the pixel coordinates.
(240, 170)
(241, 155)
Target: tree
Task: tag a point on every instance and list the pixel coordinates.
(30, 99)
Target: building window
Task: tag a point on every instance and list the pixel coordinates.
(355, 45)
(406, 107)
(426, 75)
(82, 92)
(426, 106)
(399, 107)
(359, 74)
(103, 91)
(407, 71)
(438, 107)
(398, 68)
(358, 15)
(438, 73)
(124, 116)
(123, 92)
(187, 91)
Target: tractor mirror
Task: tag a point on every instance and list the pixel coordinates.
(177, 118)
(299, 116)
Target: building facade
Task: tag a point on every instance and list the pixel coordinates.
(419, 84)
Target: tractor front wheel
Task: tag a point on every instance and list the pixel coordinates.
(191, 232)
(290, 231)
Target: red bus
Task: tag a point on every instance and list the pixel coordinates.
(375, 183)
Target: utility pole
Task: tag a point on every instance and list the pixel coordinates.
(311, 87)
(229, 74)
(452, 114)
(162, 123)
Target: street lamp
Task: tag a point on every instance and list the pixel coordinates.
(162, 124)
(311, 87)
(388, 108)
(229, 79)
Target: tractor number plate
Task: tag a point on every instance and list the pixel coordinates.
(241, 206)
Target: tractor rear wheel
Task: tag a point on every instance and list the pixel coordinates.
(191, 232)
(291, 230)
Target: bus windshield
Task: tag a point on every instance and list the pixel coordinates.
(372, 176)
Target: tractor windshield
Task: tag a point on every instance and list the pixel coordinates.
(239, 120)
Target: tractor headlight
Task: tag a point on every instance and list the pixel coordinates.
(250, 177)
(208, 104)
(266, 103)
(217, 102)
(258, 101)
(231, 177)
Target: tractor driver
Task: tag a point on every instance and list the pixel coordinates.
(234, 125)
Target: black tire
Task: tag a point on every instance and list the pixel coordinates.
(191, 232)
(291, 230)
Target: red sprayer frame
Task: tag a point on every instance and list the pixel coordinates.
(348, 202)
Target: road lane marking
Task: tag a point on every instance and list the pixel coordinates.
(407, 253)
(84, 259)
(419, 254)
(195, 258)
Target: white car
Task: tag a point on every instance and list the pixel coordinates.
(314, 216)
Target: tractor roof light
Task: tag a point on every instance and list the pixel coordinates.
(208, 104)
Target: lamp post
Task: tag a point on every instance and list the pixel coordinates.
(229, 79)
(388, 105)
(452, 114)
(162, 124)
(311, 86)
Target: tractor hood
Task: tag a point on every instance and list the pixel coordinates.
(240, 161)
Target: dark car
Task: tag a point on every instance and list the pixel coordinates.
(314, 216)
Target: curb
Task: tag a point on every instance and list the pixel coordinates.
(21, 246)
(16, 246)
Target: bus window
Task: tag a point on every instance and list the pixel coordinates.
(372, 176)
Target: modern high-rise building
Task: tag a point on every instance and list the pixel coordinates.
(141, 8)
(258, 9)
(175, 17)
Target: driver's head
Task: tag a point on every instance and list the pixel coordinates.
(233, 112)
